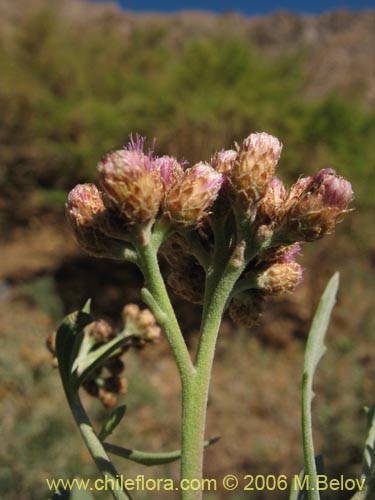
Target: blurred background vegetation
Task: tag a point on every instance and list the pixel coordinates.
(76, 79)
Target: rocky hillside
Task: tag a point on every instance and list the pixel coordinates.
(336, 47)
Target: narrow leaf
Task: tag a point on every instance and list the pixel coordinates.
(149, 458)
(112, 422)
(315, 349)
(68, 340)
(95, 358)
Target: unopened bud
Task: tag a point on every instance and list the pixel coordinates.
(223, 161)
(108, 399)
(89, 218)
(255, 166)
(317, 210)
(130, 312)
(188, 201)
(281, 277)
(270, 209)
(100, 330)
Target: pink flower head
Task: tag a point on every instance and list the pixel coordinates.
(293, 250)
(315, 209)
(255, 166)
(83, 204)
(169, 169)
(188, 200)
(223, 160)
(337, 191)
(132, 182)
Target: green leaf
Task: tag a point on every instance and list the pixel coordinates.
(148, 458)
(87, 307)
(69, 338)
(367, 490)
(112, 422)
(80, 494)
(315, 349)
(369, 451)
(84, 366)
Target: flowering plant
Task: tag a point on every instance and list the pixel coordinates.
(230, 233)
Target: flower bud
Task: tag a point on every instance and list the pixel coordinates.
(316, 211)
(255, 166)
(100, 330)
(132, 183)
(283, 253)
(141, 323)
(246, 308)
(223, 161)
(89, 218)
(281, 277)
(170, 170)
(270, 208)
(188, 200)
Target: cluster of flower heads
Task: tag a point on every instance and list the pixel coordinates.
(139, 187)
(108, 382)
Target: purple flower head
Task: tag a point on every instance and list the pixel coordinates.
(169, 169)
(255, 166)
(293, 250)
(132, 181)
(83, 203)
(262, 144)
(337, 191)
(223, 160)
(189, 198)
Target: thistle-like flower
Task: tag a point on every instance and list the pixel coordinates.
(223, 161)
(170, 170)
(190, 198)
(255, 166)
(318, 205)
(271, 207)
(132, 182)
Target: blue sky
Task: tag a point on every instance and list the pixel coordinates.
(250, 7)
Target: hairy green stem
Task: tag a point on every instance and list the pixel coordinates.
(160, 304)
(195, 394)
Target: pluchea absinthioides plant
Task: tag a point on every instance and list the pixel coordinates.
(230, 233)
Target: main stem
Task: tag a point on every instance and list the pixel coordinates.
(195, 380)
(195, 394)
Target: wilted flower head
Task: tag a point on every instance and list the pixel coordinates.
(318, 206)
(189, 199)
(132, 182)
(255, 167)
(246, 308)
